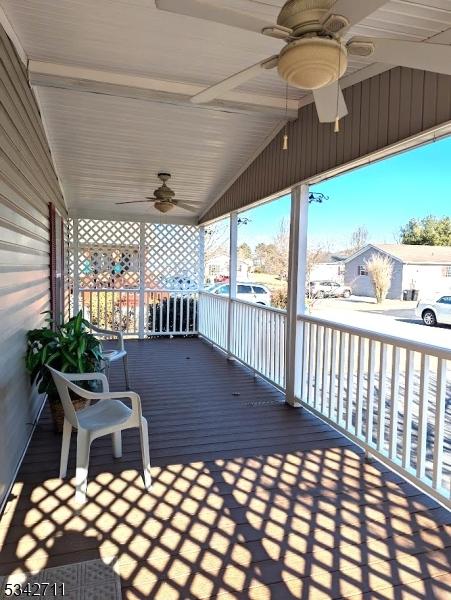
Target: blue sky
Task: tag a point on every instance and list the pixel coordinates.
(382, 196)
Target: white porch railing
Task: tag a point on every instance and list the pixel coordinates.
(140, 314)
(388, 394)
(256, 337)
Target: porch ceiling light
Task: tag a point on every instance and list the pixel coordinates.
(164, 207)
(312, 63)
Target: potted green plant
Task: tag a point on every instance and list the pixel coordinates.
(69, 348)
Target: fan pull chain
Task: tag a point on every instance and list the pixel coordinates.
(337, 118)
(285, 137)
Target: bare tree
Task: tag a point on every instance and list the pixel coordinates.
(380, 269)
(216, 240)
(359, 238)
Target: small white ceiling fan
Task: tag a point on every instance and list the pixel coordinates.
(315, 56)
(164, 198)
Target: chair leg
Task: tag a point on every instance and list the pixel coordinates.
(144, 438)
(127, 381)
(67, 430)
(107, 370)
(117, 444)
(81, 477)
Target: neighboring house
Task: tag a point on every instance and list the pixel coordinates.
(218, 267)
(331, 268)
(423, 268)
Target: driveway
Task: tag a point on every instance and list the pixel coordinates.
(394, 317)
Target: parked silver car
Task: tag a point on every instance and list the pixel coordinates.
(251, 292)
(328, 289)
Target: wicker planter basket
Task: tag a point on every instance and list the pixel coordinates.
(57, 411)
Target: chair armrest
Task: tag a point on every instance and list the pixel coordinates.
(108, 332)
(132, 396)
(89, 377)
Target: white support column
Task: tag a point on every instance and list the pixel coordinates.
(76, 299)
(142, 280)
(201, 267)
(297, 274)
(233, 265)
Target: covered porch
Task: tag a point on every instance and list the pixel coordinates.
(250, 499)
(292, 457)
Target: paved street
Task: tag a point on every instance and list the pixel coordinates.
(393, 318)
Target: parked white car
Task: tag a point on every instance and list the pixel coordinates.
(251, 292)
(435, 311)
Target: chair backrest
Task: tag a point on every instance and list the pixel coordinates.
(63, 385)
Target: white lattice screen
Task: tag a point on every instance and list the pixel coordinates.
(141, 278)
(172, 257)
(108, 254)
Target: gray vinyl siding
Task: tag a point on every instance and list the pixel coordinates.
(383, 110)
(27, 184)
(361, 285)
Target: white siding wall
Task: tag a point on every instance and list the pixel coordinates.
(27, 184)
(428, 279)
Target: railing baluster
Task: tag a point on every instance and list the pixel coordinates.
(370, 402)
(439, 425)
(318, 351)
(326, 374)
(408, 406)
(350, 382)
(360, 386)
(382, 397)
(333, 374)
(341, 378)
(305, 358)
(394, 404)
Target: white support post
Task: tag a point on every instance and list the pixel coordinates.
(297, 275)
(233, 265)
(142, 283)
(201, 267)
(76, 299)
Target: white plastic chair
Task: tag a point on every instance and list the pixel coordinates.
(107, 416)
(109, 356)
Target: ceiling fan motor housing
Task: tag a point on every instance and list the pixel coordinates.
(304, 15)
(311, 63)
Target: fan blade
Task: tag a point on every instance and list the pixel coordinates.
(188, 207)
(326, 103)
(134, 202)
(232, 82)
(416, 55)
(354, 11)
(201, 9)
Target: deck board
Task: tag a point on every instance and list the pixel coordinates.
(251, 498)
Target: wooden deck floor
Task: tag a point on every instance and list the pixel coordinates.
(251, 499)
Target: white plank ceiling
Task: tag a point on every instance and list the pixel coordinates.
(108, 148)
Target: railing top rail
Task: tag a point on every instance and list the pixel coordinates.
(137, 290)
(437, 351)
(217, 296)
(278, 311)
(246, 303)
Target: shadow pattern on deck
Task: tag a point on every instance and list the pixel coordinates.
(251, 499)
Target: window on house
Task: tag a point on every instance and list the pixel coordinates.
(362, 270)
(447, 271)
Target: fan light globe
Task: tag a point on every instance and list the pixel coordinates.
(313, 63)
(164, 207)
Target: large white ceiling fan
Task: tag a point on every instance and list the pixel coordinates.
(315, 56)
(164, 198)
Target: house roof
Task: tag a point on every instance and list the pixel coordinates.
(411, 254)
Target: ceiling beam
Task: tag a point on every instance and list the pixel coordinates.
(10, 32)
(81, 79)
(108, 214)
